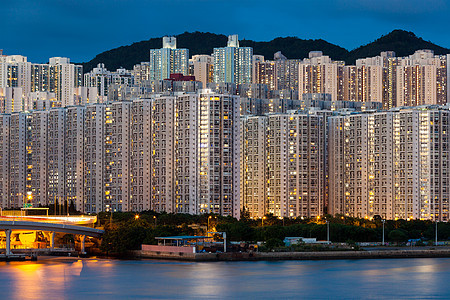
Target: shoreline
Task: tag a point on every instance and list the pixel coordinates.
(276, 256)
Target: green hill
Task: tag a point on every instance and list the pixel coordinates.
(402, 42)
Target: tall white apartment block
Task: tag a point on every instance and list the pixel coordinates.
(141, 155)
(287, 72)
(20, 159)
(94, 158)
(39, 149)
(163, 154)
(296, 165)
(57, 155)
(218, 138)
(100, 78)
(15, 72)
(4, 160)
(168, 60)
(186, 153)
(363, 83)
(394, 164)
(69, 77)
(253, 164)
(319, 74)
(74, 147)
(233, 64)
(117, 157)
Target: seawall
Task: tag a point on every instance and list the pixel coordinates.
(326, 255)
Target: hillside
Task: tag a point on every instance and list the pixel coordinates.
(402, 42)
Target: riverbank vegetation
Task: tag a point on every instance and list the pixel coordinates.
(127, 231)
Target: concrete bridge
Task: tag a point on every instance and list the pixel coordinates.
(9, 226)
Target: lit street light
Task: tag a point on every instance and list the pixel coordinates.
(383, 221)
(154, 217)
(262, 220)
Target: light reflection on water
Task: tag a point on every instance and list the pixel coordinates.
(64, 278)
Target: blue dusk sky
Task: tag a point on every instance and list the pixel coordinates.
(80, 29)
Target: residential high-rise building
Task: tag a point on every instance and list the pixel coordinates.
(233, 64)
(117, 155)
(65, 78)
(253, 163)
(319, 74)
(74, 149)
(15, 72)
(20, 159)
(393, 164)
(168, 60)
(203, 68)
(4, 160)
(265, 73)
(39, 149)
(186, 153)
(141, 155)
(56, 155)
(218, 154)
(163, 154)
(100, 78)
(93, 123)
(283, 164)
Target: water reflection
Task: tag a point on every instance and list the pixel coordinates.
(58, 278)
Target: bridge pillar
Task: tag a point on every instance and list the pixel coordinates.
(83, 240)
(8, 241)
(52, 239)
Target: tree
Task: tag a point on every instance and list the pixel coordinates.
(398, 235)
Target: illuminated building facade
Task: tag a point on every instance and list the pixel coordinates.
(253, 164)
(283, 164)
(57, 155)
(233, 64)
(203, 68)
(74, 147)
(218, 142)
(394, 164)
(163, 154)
(141, 154)
(319, 74)
(93, 119)
(168, 60)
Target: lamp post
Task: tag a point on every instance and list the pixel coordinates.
(262, 221)
(436, 240)
(208, 223)
(328, 231)
(383, 221)
(154, 217)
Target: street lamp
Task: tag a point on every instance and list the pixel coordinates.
(154, 217)
(136, 217)
(328, 230)
(383, 221)
(436, 232)
(262, 220)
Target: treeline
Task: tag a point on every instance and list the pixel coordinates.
(128, 231)
(402, 42)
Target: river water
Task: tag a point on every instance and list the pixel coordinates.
(69, 278)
